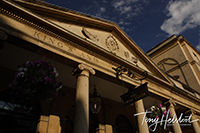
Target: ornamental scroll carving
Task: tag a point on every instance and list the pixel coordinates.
(126, 71)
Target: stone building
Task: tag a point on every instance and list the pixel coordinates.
(179, 59)
(88, 52)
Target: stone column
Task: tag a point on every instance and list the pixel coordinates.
(81, 124)
(142, 125)
(176, 126)
(195, 122)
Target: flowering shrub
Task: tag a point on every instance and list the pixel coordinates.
(36, 80)
(161, 114)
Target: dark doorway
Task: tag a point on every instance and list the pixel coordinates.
(123, 125)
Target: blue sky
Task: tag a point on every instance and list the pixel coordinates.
(147, 22)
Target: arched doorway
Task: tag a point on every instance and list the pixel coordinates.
(123, 125)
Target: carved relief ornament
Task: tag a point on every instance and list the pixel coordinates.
(89, 35)
(112, 45)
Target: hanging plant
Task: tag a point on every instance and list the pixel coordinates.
(35, 81)
(160, 114)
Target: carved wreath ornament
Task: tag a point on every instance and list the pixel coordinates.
(112, 45)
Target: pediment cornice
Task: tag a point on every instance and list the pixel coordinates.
(21, 14)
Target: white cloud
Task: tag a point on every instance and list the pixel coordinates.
(120, 11)
(118, 4)
(102, 9)
(129, 8)
(122, 22)
(125, 9)
(104, 1)
(198, 47)
(183, 15)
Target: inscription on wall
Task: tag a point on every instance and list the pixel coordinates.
(64, 47)
(48, 39)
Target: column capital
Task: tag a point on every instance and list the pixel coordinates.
(82, 67)
(86, 67)
(172, 102)
(193, 112)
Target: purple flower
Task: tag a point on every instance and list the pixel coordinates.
(160, 105)
(48, 80)
(165, 112)
(52, 73)
(169, 112)
(157, 117)
(167, 124)
(34, 75)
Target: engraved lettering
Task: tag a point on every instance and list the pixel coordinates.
(51, 41)
(89, 57)
(70, 49)
(60, 45)
(95, 60)
(83, 55)
(44, 37)
(36, 34)
(135, 60)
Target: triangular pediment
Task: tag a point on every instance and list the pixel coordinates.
(106, 36)
(107, 41)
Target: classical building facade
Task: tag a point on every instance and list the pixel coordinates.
(179, 59)
(88, 52)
